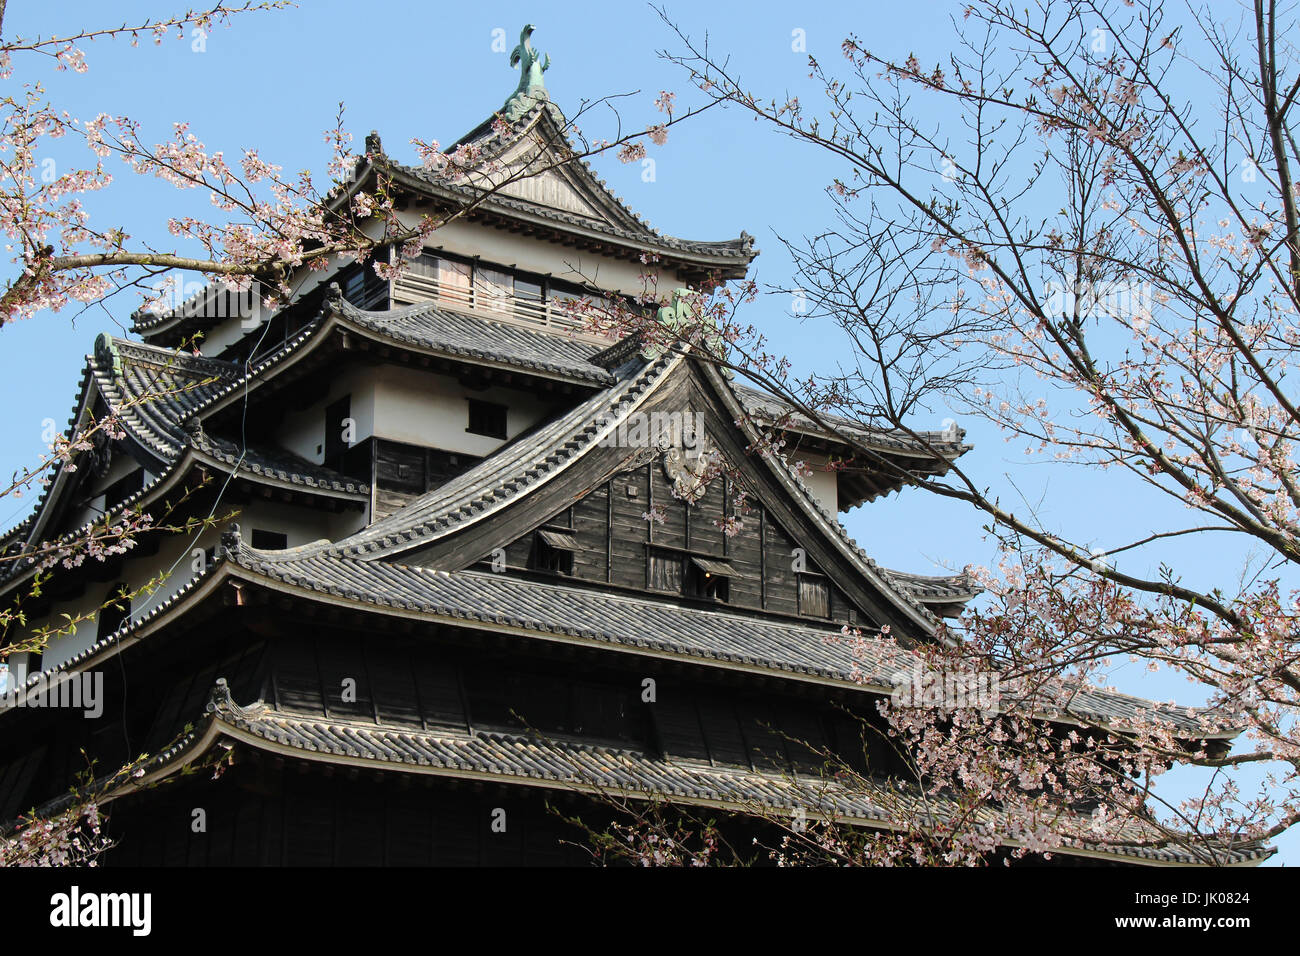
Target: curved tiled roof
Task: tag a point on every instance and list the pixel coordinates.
(733, 253)
(491, 140)
(535, 458)
(505, 475)
(535, 760)
(937, 588)
(158, 394)
(766, 408)
(17, 534)
(162, 393)
(732, 638)
(440, 330)
(622, 224)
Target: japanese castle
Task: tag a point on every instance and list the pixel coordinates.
(452, 609)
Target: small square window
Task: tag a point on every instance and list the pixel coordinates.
(553, 551)
(708, 579)
(487, 418)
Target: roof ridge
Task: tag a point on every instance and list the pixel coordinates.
(504, 137)
(148, 353)
(741, 246)
(535, 348)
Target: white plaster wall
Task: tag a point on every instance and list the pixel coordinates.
(531, 254)
(422, 408)
(300, 525)
(413, 406)
(304, 432)
(121, 466)
(222, 335)
(822, 483)
(230, 331)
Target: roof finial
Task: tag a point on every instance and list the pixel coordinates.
(107, 355)
(532, 87)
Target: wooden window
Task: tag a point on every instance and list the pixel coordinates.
(530, 295)
(364, 289)
(553, 552)
(708, 579)
(492, 288)
(814, 596)
(562, 294)
(665, 571)
(528, 289)
(269, 540)
(560, 299)
(487, 418)
(425, 264)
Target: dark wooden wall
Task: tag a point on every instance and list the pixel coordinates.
(298, 814)
(603, 499)
(615, 539)
(450, 690)
(404, 472)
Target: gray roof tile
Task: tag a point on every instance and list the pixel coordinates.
(530, 759)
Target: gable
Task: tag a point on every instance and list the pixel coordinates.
(536, 162)
(779, 560)
(605, 538)
(554, 186)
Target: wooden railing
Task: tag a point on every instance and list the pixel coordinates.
(415, 289)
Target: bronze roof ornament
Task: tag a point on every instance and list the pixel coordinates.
(532, 87)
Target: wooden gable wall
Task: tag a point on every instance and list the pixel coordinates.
(601, 500)
(616, 541)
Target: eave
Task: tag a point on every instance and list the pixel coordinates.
(537, 762)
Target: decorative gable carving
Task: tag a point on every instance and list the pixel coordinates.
(691, 469)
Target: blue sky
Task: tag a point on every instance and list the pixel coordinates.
(274, 81)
